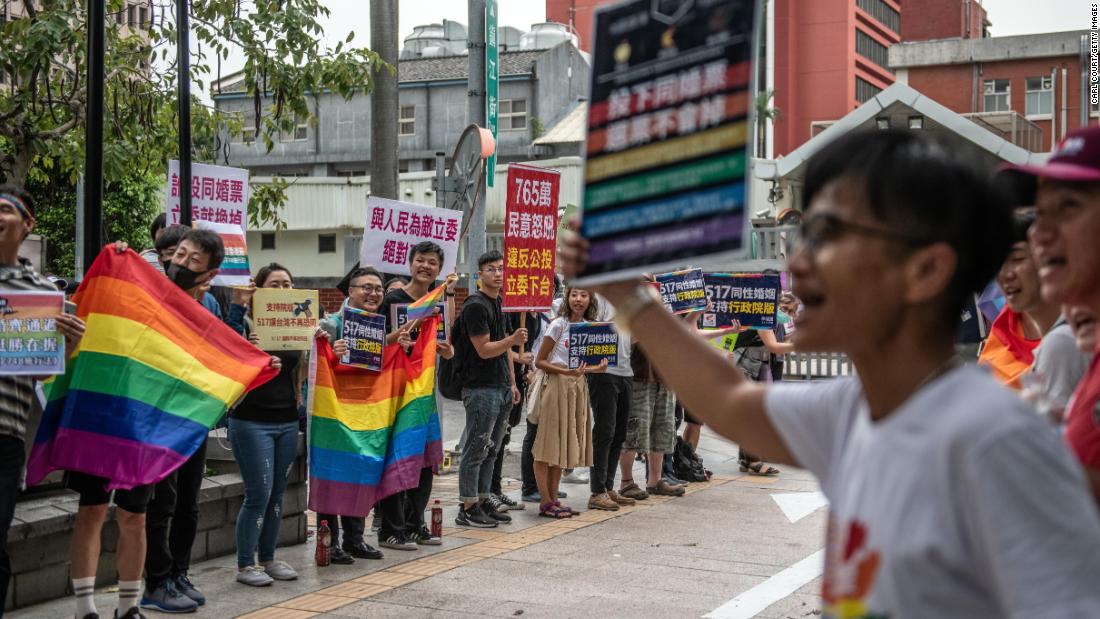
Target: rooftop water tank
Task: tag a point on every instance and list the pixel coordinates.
(546, 35)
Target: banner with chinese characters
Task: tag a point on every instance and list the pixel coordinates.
(393, 228)
(235, 270)
(683, 291)
(668, 136)
(592, 342)
(749, 298)
(400, 315)
(530, 238)
(218, 194)
(29, 340)
(285, 318)
(365, 334)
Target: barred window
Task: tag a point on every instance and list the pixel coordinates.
(872, 50)
(884, 13)
(865, 91)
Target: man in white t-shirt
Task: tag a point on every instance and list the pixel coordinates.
(949, 497)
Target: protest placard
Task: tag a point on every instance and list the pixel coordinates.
(530, 238)
(749, 298)
(218, 194)
(399, 314)
(285, 318)
(591, 343)
(393, 228)
(235, 270)
(683, 291)
(668, 129)
(29, 340)
(365, 334)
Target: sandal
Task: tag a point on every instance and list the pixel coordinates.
(566, 509)
(553, 511)
(759, 468)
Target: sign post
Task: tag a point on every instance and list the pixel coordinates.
(492, 64)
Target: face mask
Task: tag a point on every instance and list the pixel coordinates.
(182, 276)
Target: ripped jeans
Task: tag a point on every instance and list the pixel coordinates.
(264, 453)
(487, 410)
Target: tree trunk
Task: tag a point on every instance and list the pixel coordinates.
(383, 101)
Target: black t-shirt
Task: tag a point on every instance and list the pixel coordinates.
(274, 401)
(482, 315)
(397, 296)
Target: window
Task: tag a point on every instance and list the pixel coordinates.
(248, 127)
(131, 16)
(143, 17)
(326, 243)
(997, 96)
(884, 13)
(406, 122)
(1038, 96)
(267, 240)
(300, 131)
(512, 114)
(865, 91)
(872, 50)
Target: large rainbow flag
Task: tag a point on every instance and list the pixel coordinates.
(152, 374)
(371, 433)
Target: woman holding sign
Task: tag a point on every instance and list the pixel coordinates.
(560, 405)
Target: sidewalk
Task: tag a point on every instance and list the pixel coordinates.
(667, 557)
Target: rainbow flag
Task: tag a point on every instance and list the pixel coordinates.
(152, 374)
(234, 270)
(371, 433)
(425, 305)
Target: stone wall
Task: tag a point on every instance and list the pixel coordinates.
(41, 534)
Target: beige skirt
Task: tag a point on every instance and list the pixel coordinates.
(564, 437)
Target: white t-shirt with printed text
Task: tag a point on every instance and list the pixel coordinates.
(961, 503)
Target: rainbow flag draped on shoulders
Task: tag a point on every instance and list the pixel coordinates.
(371, 433)
(152, 374)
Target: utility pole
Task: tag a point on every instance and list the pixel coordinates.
(93, 134)
(475, 113)
(383, 101)
(183, 79)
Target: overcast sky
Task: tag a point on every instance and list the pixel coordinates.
(1009, 17)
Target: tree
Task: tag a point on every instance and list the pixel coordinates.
(42, 114)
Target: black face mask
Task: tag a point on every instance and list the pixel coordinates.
(182, 276)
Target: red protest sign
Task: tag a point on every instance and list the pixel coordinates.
(530, 238)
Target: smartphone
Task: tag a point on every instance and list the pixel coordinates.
(70, 307)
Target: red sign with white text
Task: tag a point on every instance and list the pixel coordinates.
(530, 238)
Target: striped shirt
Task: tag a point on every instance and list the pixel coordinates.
(17, 392)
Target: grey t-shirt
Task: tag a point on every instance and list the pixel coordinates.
(1059, 366)
(961, 503)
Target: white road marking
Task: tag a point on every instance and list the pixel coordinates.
(798, 505)
(772, 590)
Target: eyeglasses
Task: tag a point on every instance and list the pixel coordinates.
(821, 229)
(369, 289)
(493, 270)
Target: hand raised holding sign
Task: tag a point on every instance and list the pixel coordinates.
(518, 337)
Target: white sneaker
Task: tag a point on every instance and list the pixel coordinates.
(577, 476)
(280, 570)
(254, 576)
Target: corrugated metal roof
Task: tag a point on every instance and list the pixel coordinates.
(569, 129)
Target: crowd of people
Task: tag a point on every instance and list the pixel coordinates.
(955, 489)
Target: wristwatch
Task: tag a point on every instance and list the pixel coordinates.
(627, 309)
(448, 294)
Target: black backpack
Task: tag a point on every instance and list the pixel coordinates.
(451, 371)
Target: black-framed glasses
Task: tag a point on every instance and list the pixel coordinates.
(493, 270)
(820, 229)
(369, 289)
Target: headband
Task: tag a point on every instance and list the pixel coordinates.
(18, 204)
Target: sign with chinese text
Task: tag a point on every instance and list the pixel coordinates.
(234, 270)
(492, 66)
(285, 318)
(218, 194)
(592, 342)
(393, 228)
(749, 298)
(530, 238)
(400, 315)
(29, 340)
(365, 334)
(668, 136)
(683, 291)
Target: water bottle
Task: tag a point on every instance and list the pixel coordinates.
(323, 555)
(437, 519)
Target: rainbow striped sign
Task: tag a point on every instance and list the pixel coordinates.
(234, 270)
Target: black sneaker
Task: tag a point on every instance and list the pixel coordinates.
(500, 517)
(363, 550)
(133, 613)
(337, 556)
(495, 505)
(183, 583)
(508, 503)
(397, 542)
(424, 537)
(474, 518)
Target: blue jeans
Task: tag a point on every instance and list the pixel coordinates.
(264, 453)
(487, 411)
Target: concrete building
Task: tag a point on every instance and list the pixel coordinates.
(1032, 89)
(539, 86)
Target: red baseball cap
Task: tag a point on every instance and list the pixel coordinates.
(1077, 159)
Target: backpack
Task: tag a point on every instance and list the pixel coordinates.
(451, 371)
(686, 464)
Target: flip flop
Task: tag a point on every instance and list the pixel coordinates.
(553, 511)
